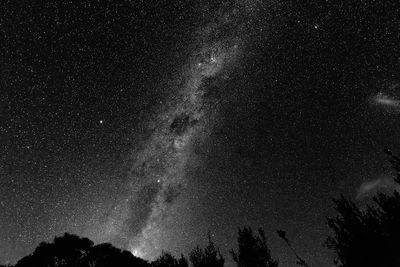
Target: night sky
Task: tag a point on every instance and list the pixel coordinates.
(149, 123)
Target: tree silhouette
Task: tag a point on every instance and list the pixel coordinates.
(253, 250)
(210, 256)
(167, 260)
(73, 251)
(183, 262)
(106, 255)
(68, 250)
(368, 237)
(361, 237)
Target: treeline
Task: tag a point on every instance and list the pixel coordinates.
(367, 237)
(73, 251)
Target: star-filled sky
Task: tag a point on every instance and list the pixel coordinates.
(149, 123)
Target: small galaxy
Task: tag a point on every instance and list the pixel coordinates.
(388, 101)
(150, 124)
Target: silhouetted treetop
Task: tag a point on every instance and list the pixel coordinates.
(370, 236)
(210, 256)
(167, 260)
(253, 250)
(67, 250)
(73, 251)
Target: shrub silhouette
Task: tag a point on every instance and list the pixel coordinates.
(253, 250)
(369, 237)
(167, 260)
(210, 256)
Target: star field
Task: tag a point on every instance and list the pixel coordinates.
(148, 123)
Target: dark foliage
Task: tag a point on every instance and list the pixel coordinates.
(167, 260)
(253, 250)
(369, 237)
(105, 255)
(210, 256)
(361, 237)
(67, 250)
(70, 251)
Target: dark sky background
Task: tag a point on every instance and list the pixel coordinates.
(302, 115)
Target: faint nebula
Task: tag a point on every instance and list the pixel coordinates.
(390, 103)
(371, 187)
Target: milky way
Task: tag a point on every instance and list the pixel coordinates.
(158, 173)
